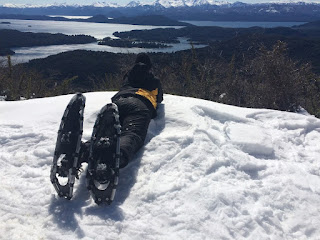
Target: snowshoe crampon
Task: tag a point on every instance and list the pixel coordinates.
(104, 157)
(65, 161)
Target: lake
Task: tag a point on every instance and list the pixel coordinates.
(102, 30)
(97, 30)
(244, 24)
(25, 54)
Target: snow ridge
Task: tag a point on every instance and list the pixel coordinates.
(207, 171)
(188, 3)
(163, 3)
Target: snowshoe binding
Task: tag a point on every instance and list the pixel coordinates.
(104, 156)
(65, 166)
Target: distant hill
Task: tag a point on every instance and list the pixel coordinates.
(6, 51)
(30, 17)
(310, 25)
(13, 38)
(153, 20)
(212, 33)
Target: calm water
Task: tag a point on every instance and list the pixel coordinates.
(71, 17)
(97, 30)
(102, 30)
(244, 24)
(27, 53)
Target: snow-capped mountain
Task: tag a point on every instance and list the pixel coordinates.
(188, 3)
(17, 5)
(206, 10)
(133, 4)
(195, 3)
(170, 3)
(96, 4)
(105, 4)
(192, 3)
(163, 3)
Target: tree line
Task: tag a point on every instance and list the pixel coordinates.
(258, 76)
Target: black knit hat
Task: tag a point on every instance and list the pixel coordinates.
(144, 58)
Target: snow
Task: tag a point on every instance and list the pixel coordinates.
(188, 3)
(207, 171)
(164, 3)
(105, 4)
(171, 3)
(133, 4)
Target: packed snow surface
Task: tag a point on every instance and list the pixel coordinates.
(207, 171)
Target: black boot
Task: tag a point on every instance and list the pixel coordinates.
(124, 160)
(84, 152)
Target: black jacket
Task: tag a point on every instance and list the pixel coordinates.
(141, 83)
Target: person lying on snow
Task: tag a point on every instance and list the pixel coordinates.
(137, 103)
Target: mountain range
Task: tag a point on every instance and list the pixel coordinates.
(161, 3)
(286, 10)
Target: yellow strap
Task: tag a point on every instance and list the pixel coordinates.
(150, 95)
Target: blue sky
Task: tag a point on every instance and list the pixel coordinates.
(121, 2)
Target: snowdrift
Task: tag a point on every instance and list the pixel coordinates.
(207, 171)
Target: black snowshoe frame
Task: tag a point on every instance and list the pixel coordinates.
(104, 152)
(68, 147)
(104, 156)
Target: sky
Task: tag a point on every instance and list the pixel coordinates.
(120, 2)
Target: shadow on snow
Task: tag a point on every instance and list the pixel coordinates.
(64, 212)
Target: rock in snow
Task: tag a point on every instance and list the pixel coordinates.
(207, 171)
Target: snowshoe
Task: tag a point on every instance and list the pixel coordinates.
(65, 166)
(104, 156)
